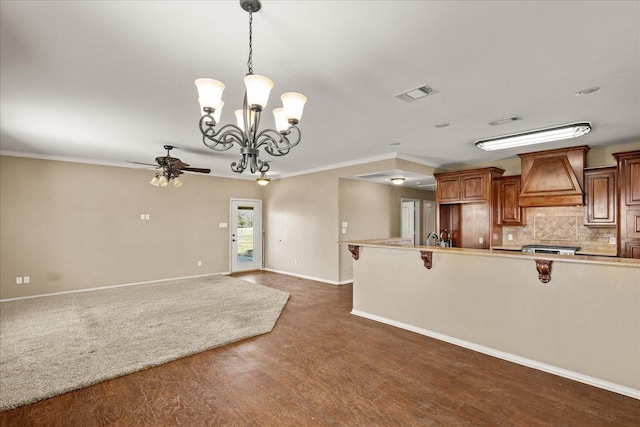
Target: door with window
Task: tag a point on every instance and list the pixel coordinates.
(246, 235)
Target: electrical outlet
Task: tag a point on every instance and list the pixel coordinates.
(480, 240)
(295, 261)
(18, 280)
(612, 240)
(509, 236)
(26, 279)
(199, 263)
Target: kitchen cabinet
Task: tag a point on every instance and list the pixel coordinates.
(600, 196)
(507, 209)
(464, 206)
(553, 177)
(628, 203)
(448, 189)
(465, 186)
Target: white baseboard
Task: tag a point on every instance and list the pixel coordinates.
(111, 286)
(303, 276)
(606, 385)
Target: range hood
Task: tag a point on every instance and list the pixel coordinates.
(553, 177)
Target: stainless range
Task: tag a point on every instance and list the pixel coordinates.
(551, 249)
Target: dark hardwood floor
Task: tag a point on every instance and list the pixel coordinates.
(323, 366)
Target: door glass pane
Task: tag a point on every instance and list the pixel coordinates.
(245, 245)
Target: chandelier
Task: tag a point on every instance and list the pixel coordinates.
(246, 133)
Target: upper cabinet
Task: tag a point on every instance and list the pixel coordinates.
(507, 209)
(464, 206)
(600, 199)
(553, 177)
(465, 186)
(629, 204)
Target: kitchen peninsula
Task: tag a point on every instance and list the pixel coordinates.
(573, 316)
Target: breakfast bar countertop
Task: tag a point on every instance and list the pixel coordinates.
(499, 251)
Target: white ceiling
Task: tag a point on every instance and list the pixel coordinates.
(108, 81)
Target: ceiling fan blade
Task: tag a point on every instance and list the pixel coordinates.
(139, 163)
(177, 163)
(200, 170)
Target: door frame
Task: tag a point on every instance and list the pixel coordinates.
(258, 251)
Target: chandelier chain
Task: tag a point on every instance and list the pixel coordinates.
(250, 61)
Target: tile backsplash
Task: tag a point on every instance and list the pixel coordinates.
(561, 226)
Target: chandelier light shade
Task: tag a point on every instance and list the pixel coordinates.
(246, 133)
(538, 136)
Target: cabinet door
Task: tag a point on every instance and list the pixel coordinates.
(600, 186)
(448, 189)
(631, 182)
(509, 210)
(475, 188)
(632, 250)
(628, 203)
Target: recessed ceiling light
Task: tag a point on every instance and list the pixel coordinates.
(441, 125)
(587, 91)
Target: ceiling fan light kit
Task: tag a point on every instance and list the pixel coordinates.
(170, 169)
(245, 133)
(538, 136)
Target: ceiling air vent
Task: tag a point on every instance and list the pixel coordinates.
(416, 93)
(505, 121)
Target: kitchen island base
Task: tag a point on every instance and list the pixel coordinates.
(583, 325)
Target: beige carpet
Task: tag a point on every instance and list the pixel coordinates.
(54, 344)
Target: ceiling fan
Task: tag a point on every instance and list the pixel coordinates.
(171, 169)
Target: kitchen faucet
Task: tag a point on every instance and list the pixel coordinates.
(435, 236)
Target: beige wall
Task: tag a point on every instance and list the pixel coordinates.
(71, 226)
(300, 225)
(585, 320)
(304, 213)
(371, 211)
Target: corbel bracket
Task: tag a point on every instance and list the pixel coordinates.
(544, 270)
(427, 258)
(355, 251)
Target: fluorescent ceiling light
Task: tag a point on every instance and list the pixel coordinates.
(538, 136)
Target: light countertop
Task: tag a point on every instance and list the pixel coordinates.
(500, 251)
